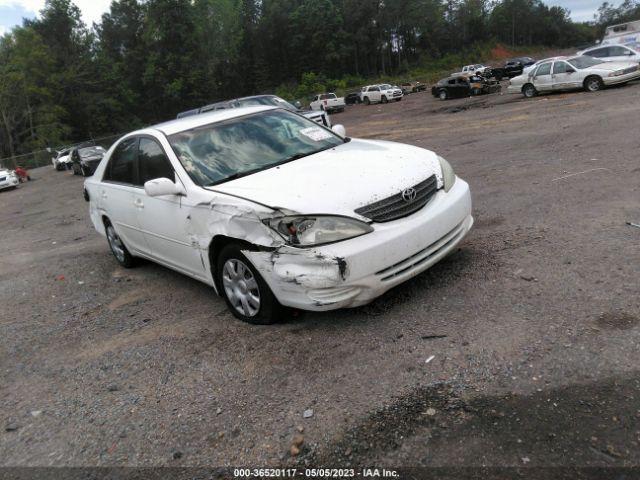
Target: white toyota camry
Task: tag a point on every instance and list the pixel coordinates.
(273, 210)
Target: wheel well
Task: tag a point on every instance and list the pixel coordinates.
(592, 76)
(215, 247)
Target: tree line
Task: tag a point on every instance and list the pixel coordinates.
(63, 81)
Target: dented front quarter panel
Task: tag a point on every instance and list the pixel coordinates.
(282, 266)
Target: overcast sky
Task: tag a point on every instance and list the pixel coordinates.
(12, 11)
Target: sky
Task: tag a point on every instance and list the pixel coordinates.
(13, 11)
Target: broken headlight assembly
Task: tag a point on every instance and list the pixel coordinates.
(313, 230)
(448, 175)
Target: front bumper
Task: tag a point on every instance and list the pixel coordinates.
(356, 271)
(621, 78)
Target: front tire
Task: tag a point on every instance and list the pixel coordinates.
(367, 101)
(384, 99)
(593, 84)
(118, 248)
(443, 95)
(529, 91)
(245, 292)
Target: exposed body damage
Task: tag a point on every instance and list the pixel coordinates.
(236, 218)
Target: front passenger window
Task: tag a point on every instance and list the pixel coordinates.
(153, 162)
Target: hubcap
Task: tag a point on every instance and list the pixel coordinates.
(117, 247)
(241, 287)
(443, 96)
(594, 85)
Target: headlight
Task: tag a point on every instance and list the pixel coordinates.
(448, 175)
(617, 73)
(307, 231)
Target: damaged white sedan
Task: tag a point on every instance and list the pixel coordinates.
(273, 210)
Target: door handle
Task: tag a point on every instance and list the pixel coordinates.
(138, 203)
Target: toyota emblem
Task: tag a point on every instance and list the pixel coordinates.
(409, 195)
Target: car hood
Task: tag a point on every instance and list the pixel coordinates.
(339, 180)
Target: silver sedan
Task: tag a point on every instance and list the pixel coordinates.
(570, 73)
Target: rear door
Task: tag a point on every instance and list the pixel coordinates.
(164, 219)
(542, 78)
(117, 195)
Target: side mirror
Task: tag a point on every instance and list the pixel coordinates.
(570, 70)
(298, 105)
(339, 130)
(163, 186)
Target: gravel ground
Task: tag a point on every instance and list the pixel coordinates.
(532, 324)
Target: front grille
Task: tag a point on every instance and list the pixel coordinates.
(396, 206)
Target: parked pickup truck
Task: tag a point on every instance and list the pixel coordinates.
(477, 68)
(328, 102)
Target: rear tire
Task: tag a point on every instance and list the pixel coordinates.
(593, 84)
(247, 295)
(529, 91)
(118, 248)
(443, 95)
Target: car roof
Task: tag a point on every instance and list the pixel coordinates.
(195, 121)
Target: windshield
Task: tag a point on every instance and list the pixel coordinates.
(386, 86)
(222, 151)
(584, 62)
(91, 151)
(268, 100)
(327, 96)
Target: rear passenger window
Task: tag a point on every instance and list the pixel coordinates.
(122, 163)
(153, 163)
(544, 69)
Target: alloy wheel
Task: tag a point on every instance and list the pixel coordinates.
(241, 287)
(117, 247)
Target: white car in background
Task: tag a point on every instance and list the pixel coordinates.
(8, 179)
(612, 53)
(328, 102)
(590, 74)
(382, 93)
(62, 161)
(273, 210)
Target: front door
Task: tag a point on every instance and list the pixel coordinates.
(164, 219)
(564, 76)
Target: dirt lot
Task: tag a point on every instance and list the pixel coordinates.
(533, 325)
